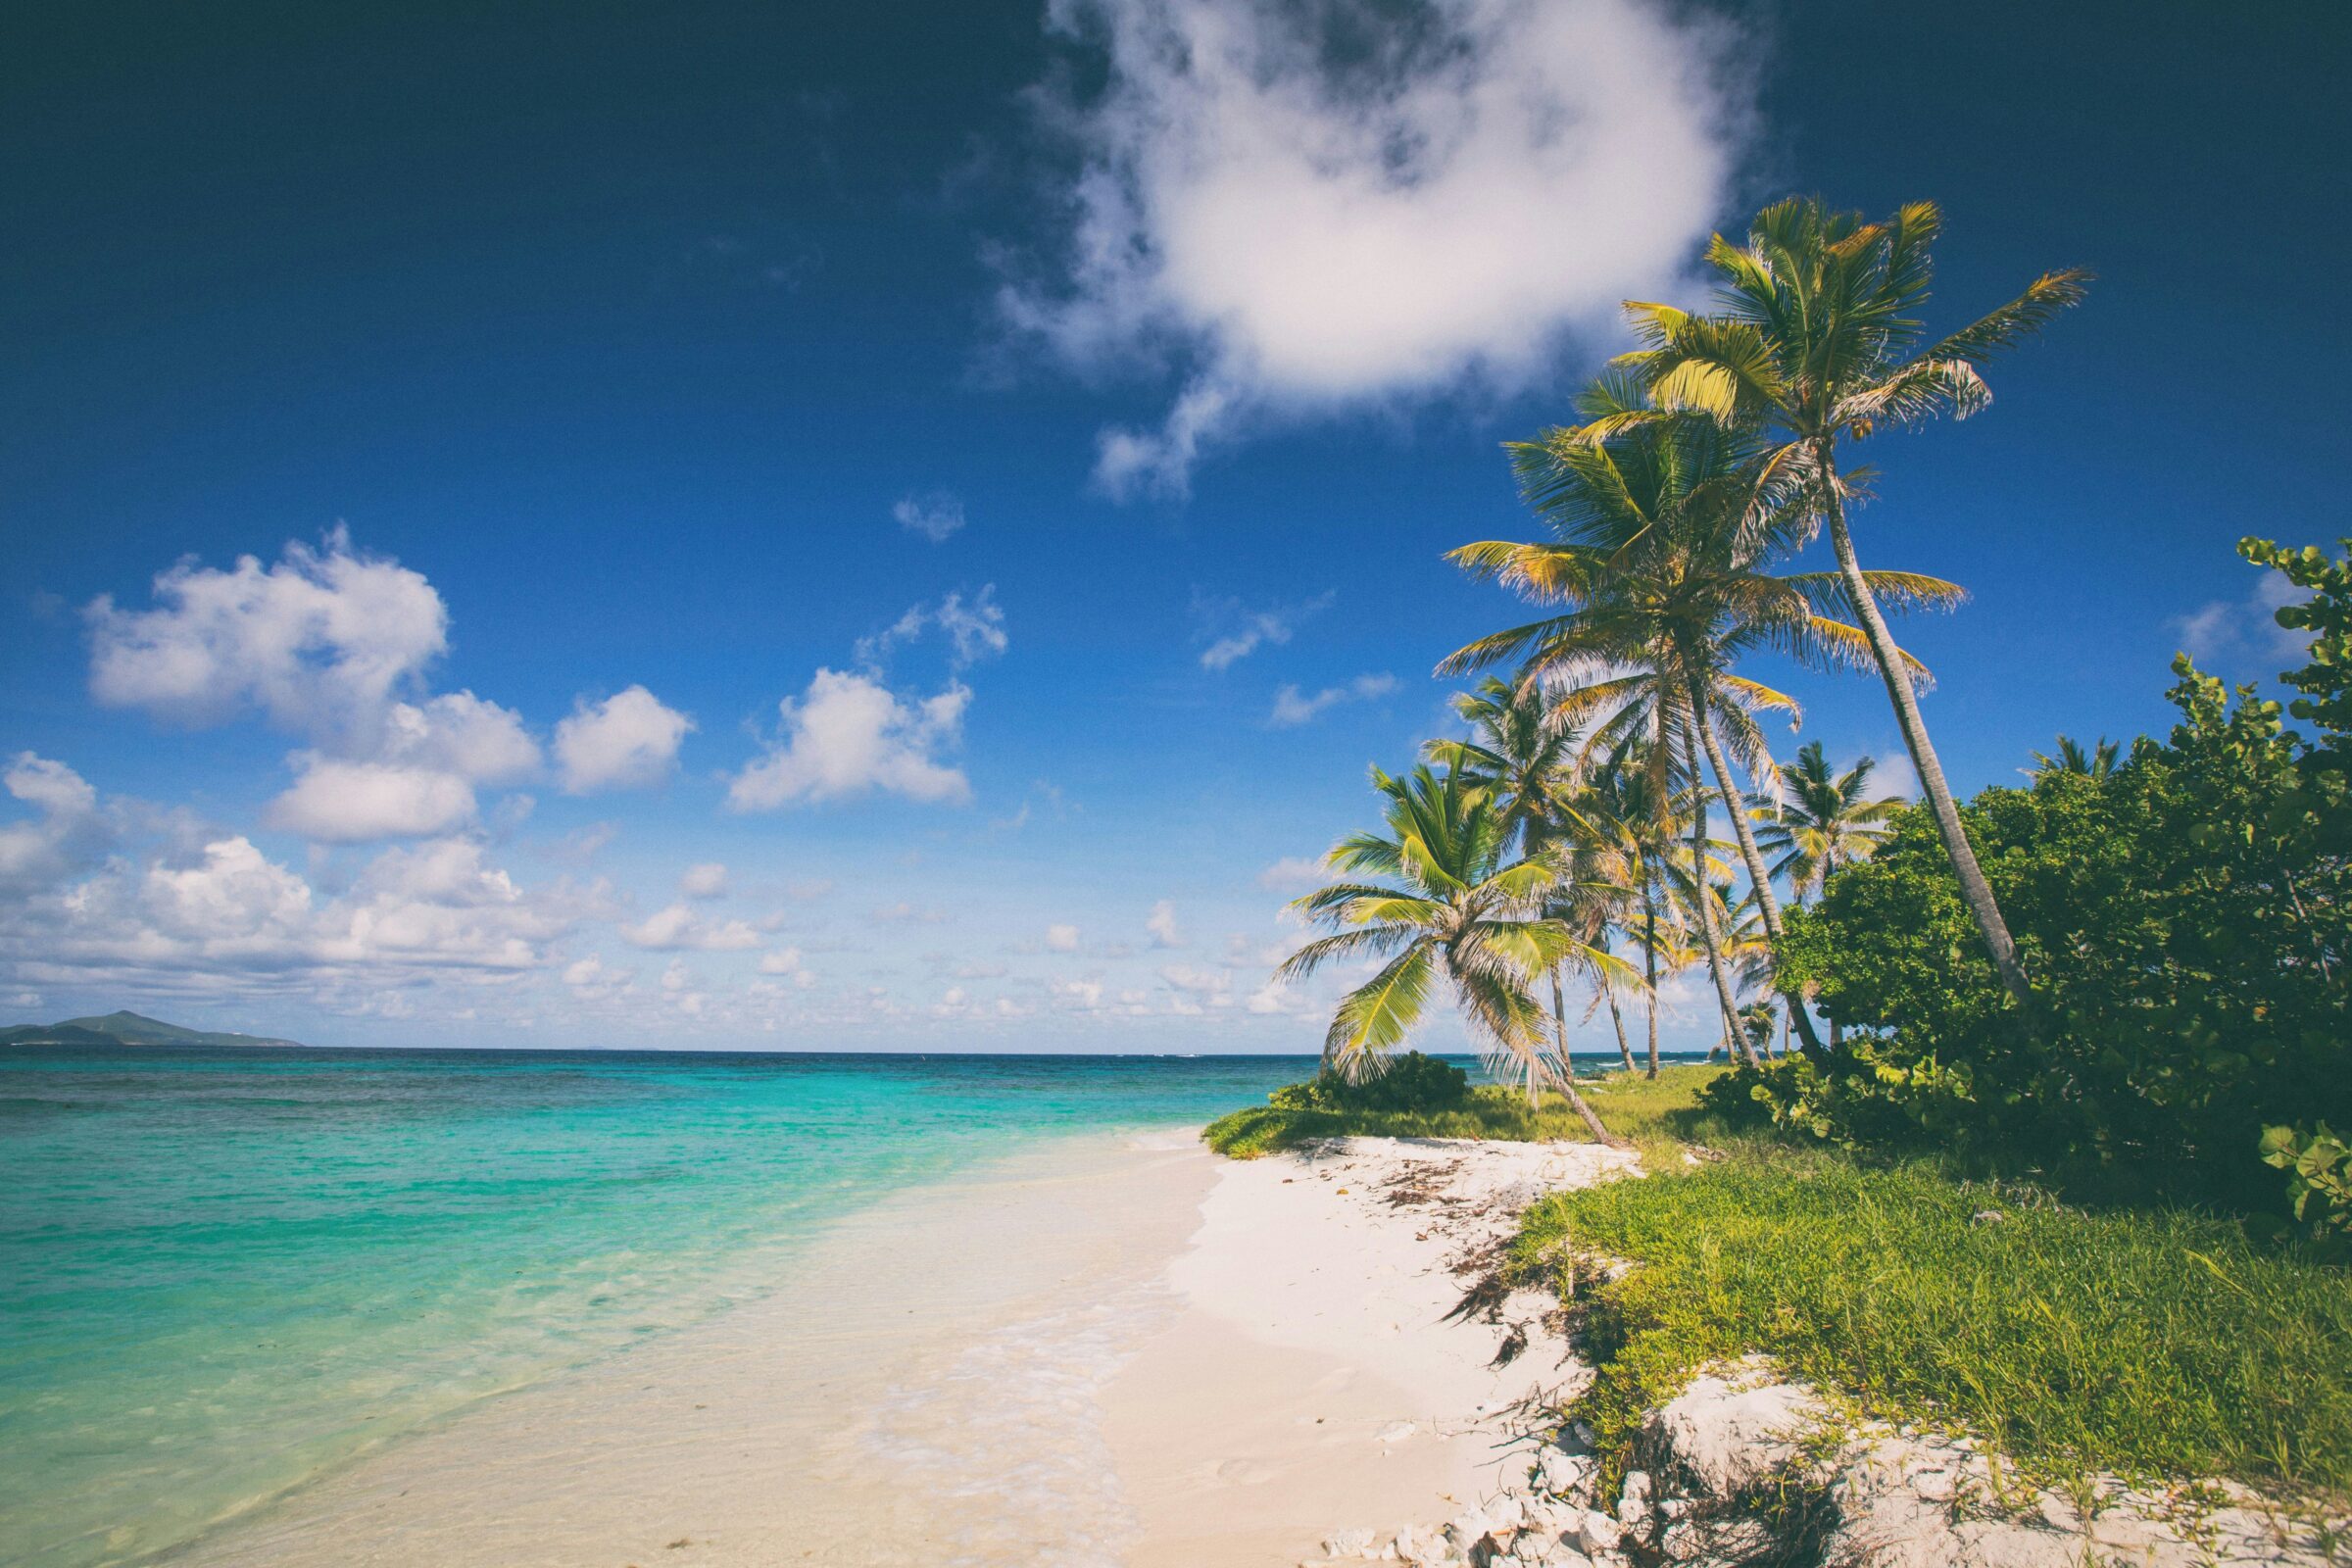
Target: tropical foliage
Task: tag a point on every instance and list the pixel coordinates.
(2189, 912)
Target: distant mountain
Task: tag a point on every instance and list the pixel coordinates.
(126, 1029)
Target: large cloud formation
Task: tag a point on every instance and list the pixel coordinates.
(336, 645)
(1310, 207)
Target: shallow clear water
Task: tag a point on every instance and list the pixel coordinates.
(223, 1271)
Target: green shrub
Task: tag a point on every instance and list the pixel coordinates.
(2319, 1177)
(2187, 920)
(1412, 1082)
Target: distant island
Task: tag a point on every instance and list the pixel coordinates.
(124, 1028)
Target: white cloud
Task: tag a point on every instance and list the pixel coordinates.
(461, 734)
(319, 642)
(851, 735)
(1293, 706)
(708, 880)
(934, 515)
(627, 740)
(2241, 632)
(1062, 939)
(1292, 874)
(67, 833)
(974, 630)
(335, 802)
(678, 927)
(1237, 632)
(783, 960)
(1166, 932)
(1316, 207)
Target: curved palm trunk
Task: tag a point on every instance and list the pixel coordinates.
(1733, 1035)
(1575, 1102)
(1975, 891)
(1757, 873)
(1617, 1021)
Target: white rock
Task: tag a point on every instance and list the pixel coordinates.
(1563, 1473)
(1593, 1532)
(1633, 1505)
(1398, 1433)
(1348, 1543)
(1727, 1437)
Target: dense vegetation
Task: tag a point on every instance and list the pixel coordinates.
(2185, 908)
(2137, 962)
(2063, 1156)
(1640, 1110)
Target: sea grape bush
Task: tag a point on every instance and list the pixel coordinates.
(2186, 919)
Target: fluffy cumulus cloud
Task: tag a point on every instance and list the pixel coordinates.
(1317, 207)
(65, 832)
(678, 927)
(334, 644)
(1061, 938)
(934, 515)
(708, 880)
(627, 741)
(1163, 926)
(848, 735)
(1293, 706)
(210, 912)
(320, 641)
(337, 801)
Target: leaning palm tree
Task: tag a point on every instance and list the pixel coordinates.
(1822, 820)
(1457, 907)
(2096, 763)
(1665, 537)
(1819, 343)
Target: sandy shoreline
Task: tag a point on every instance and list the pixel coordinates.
(1104, 1350)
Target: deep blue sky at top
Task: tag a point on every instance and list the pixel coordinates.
(626, 325)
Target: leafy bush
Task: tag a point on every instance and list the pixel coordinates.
(1412, 1082)
(2319, 1177)
(2186, 919)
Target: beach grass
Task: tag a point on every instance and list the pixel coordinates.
(2159, 1342)
(1631, 1106)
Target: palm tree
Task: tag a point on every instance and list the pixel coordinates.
(1525, 758)
(1818, 343)
(1459, 907)
(1821, 820)
(1665, 533)
(2096, 763)
(1629, 806)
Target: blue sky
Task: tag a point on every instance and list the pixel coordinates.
(977, 475)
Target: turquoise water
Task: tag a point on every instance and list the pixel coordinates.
(222, 1271)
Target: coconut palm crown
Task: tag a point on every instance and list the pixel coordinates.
(1822, 819)
(1457, 907)
(1818, 342)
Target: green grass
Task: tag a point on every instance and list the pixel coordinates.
(1628, 1104)
(2143, 1343)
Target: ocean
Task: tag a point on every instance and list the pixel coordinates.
(226, 1273)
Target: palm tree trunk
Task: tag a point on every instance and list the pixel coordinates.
(1757, 874)
(1701, 895)
(1975, 891)
(1617, 1019)
(1649, 962)
(1575, 1102)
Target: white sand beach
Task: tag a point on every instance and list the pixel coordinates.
(1110, 1351)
